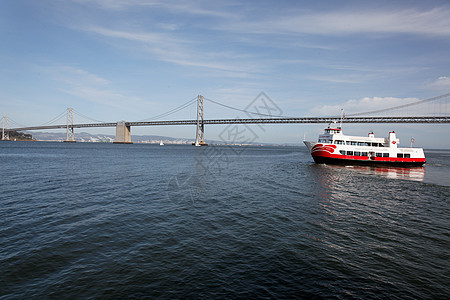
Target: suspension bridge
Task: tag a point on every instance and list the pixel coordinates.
(266, 112)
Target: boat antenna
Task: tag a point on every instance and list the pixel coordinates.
(342, 117)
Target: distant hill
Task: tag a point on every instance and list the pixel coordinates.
(147, 139)
(98, 138)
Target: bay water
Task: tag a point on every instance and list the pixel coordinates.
(94, 220)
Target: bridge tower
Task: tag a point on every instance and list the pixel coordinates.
(70, 138)
(200, 136)
(5, 134)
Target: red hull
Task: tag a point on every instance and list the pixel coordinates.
(324, 157)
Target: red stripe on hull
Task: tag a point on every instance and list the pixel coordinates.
(324, 157)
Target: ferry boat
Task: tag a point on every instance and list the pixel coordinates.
(333, 147)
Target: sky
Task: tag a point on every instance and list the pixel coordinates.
(131, 60)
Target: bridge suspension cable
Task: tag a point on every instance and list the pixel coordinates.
(63, 114)
(86, 117)
(243, 110)
(13, 123)
(172, 111)
(400, 106)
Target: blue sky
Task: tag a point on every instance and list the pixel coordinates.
(134, 59)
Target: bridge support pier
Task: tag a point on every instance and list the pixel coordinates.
(123, 133)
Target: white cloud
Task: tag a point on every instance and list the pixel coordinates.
(207, 8)
(290, 19)
(168, 26)
(366, 104)
(75, 76)
(156, 40)
(433, 22)
(117, 4)
(92, 88)
(442, 82)
(388, 106)
(181, 52)
(337, 79)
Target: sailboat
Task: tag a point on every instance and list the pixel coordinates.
(161, 143)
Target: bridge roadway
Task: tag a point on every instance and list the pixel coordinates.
(311, 120)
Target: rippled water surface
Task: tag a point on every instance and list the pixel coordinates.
(133, 221)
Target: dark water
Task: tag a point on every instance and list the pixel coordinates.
(136, 221)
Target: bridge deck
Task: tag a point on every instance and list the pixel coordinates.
(311, 120)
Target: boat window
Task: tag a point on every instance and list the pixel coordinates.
(400, 155)
(361, 144)
(357, 153)
(353, 143)
(385, 154)
(364, 154)
(349, 152)
(379, 154)
(332, 131)
(342, 152)
(369, 144)
(407, 155)
(339, 142)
